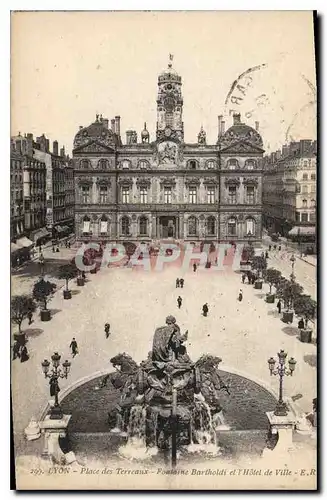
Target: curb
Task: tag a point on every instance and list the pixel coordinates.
(310, 263)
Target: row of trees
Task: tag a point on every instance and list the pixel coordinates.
(291, 293)
(22, 306)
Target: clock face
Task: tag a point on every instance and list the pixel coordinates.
(167, 131)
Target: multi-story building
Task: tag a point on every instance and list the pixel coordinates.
(60, 190)
(31, 201)
(147, 190)
(17, 219)
(289, 188)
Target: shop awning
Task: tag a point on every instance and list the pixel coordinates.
(302, 231)
(24, 242)
(14, 248)
(42, 233)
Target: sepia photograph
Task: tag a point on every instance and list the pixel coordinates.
(163, 250)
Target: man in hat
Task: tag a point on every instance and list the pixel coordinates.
(205, 309)
(179, 301)
(74, 348)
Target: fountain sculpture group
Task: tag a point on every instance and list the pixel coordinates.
(168, 400)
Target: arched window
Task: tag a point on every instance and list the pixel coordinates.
(103, 164)
(86, 224)
(249, 164)
(143, 226)
(313, 177)
(103, 224)
(250, 227)
(211, 226)
(304, 203)
(192, 164)
(85, 164)
(304, 189)
(231, 227)
(125, 164)
(305, 177)
(232, 164)
(143, 164)
(211, 164)
(125, 226)
(192, 226)
(313, 203)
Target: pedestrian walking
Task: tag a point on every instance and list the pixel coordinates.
(179, 301)
(107, 330)
(269, 248)
(53, 249)
(240, 295)
(267, 254)
(275, 247)
(253, 278)
(83, 275)
(177, 282)
(30, 317)
(279, 248)
(205, 309)
(243, 278)
(57, 250)
(279, 306)
(194, 267)
(16, 350)
(24, 354)
(74, 347)
(181, 282)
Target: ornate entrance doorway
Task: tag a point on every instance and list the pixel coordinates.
(167, 227)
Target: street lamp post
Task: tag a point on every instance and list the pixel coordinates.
(281, 371)
(56, 373)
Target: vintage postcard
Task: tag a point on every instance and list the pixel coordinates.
(163, 250)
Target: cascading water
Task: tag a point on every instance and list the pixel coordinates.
(136, 448)
(203, 434)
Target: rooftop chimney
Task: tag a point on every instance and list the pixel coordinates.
(220, 119)
(257, 126)
(55, 148)
(29, 139)
(223, 127)
(62, 151)
(305, 145)
(117, 120)
(113, 125)
(236, 118)
(105, 122)
(131, 137)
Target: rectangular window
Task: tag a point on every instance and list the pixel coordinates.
(103, 194)
(169, 119)
(297, 217)
(144, 195)
(250, 226)
(167, 194)
(85, 194)
(103, 226)
(250, 194)
(125, 195)
(192, 195)
(232, 194)
(211, 195)
(86, 226)
(312, 216)
(304, 217)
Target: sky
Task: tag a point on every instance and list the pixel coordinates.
(68, 66)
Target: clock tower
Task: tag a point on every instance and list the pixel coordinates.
(170, 105)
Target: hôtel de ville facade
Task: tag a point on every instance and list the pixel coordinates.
(149, 188)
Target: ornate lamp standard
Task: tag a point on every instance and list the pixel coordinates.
(281, 371)
(56, 373)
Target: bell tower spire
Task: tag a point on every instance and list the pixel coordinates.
(170, 104)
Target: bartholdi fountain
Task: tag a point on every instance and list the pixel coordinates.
(167, 402)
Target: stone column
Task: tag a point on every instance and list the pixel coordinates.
(154, 227)
(181, 226)
(52, 431)
(283, 426)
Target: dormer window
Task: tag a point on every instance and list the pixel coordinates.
(103, 164)
(211, 164)
(249, 164)
(192, 164)
(232, 164)
(143, 164)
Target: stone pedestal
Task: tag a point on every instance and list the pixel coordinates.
(52, 431)
(283, 426)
